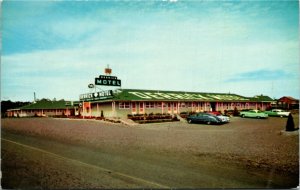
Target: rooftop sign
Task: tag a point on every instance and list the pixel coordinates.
(96, 96)
(106, 80)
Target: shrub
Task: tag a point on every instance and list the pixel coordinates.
(236, 112)
(290, 125)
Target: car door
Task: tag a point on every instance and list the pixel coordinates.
(205, 119)
(199, 118)
(251, 113)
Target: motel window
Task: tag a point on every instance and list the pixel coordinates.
(124, 105)
(189, 104)
(150, 104)
(182, 105)
(158, 104)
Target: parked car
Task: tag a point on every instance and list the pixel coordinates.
(253, 114)
(224, 118)
(277, 113)
(204, 118)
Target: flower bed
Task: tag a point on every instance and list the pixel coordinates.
(152, 118)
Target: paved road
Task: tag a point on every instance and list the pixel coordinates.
(113, 168)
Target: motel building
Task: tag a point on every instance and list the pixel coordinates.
(122, 102)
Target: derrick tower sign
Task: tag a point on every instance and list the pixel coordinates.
(104, 80)
(107, 80)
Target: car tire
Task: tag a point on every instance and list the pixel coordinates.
(243, 115)
(258, 117)
(189, 121)
(208, 123)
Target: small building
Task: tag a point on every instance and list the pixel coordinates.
(44, 108)
(287, 102)
(122, 102)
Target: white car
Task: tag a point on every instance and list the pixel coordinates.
(278, 112)
(224, 118)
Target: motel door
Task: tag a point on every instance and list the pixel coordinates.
(175, 108)
(169, 108)
(141, 107)
(213, 106)
(133, 108)
(87, 108)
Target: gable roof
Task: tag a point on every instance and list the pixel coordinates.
(158, 95)
(262, 98)
(47, 104)
(287, 97)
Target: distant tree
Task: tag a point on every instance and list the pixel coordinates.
(45, 99)
(8, 104)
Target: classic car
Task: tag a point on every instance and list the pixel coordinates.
(253, 114)
(204, 118)
(224, 118)
(277, 113)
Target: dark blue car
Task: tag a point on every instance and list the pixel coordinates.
(204, 118)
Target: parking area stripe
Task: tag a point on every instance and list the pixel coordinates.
(89, 165)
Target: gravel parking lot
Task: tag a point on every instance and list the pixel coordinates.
(258, 145)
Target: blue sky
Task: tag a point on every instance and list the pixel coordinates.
(56, 48)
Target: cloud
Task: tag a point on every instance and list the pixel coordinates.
(190, 46)
(261, 75)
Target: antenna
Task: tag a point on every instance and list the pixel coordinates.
(34, 97)
(272, 89)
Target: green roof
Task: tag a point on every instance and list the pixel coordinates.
(262, 98)
(158, 95)
(47, 104)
